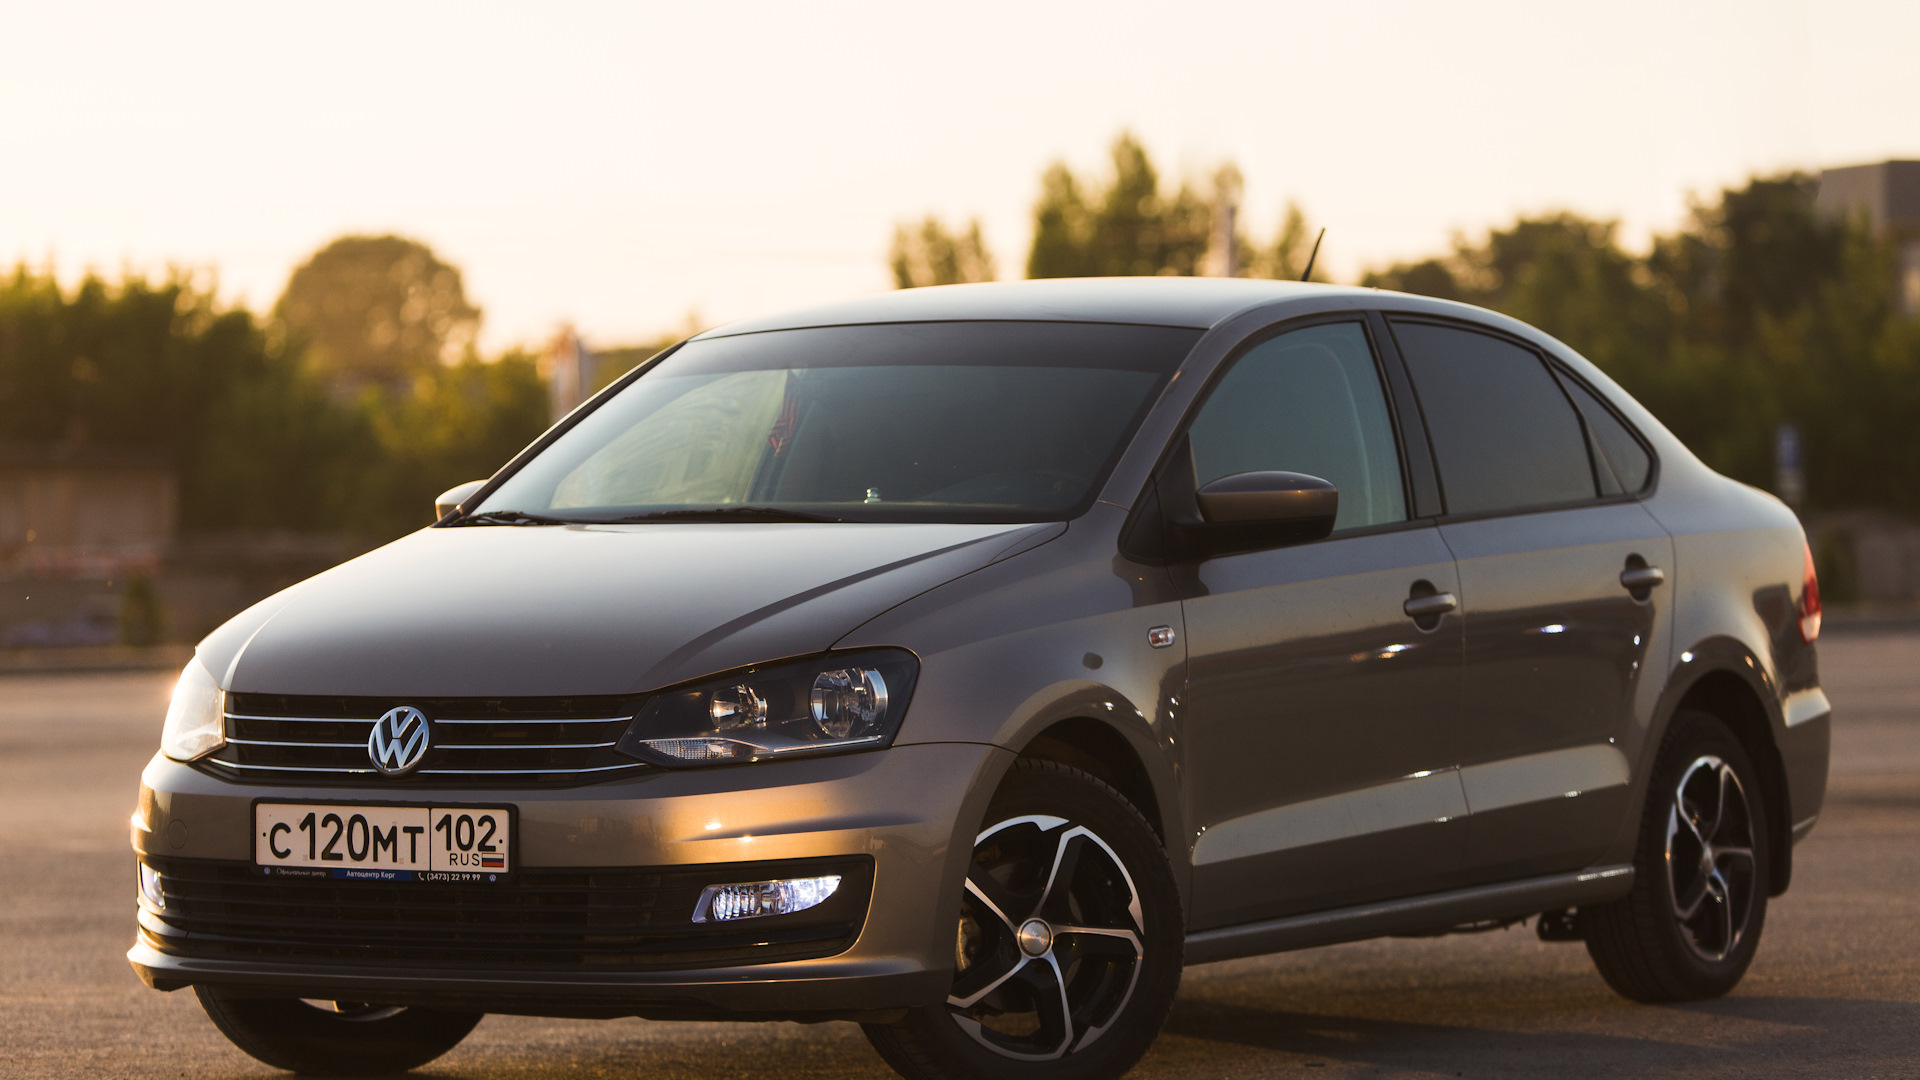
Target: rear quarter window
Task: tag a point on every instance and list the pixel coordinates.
(1622, 463)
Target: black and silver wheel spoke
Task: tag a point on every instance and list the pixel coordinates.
(979, 981)
(1003, 905)
(1047, 990)
(1710, 862)
(1066, 864)
(1051, 939)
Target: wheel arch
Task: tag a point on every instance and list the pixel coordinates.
(1730, 684)
(1098, 749)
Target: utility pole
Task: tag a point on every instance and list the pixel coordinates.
(569, 368)
(1226, 209)
(1789, 470)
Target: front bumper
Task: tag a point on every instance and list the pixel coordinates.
(910, 808)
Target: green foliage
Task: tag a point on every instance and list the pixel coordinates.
(258, 438)
(611, 363)
(377, 310)
(460, 423)
(932, 255)
(1754, 313)
(1126, 229)
(161, 366)
(1286, 258)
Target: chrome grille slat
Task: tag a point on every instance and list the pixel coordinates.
(531, 742)
(517, 746)
(282, 768)
(308, 745)
(302, 719)
(605, 720)
(521, 772)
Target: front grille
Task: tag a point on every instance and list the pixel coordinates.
(495, 742)
(608, 919)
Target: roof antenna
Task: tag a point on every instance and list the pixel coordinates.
(1308, 272)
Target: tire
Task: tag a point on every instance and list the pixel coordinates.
(1074, 980)
(1692, 923)
(346, 1039)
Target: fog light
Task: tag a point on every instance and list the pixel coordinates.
(150, 889)
(723, 903)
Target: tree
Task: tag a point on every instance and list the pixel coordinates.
(1128, 228)
(161, 366)
(257, 439)
(1286, 258)
(931, 255)
(1754, 313)
(377, 310)
(461, 423)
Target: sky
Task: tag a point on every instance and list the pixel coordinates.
(629, 168)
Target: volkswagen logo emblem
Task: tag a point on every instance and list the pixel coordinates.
(399, 740)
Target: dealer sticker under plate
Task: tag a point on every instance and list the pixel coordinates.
(383, 843)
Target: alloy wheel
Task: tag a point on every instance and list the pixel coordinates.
(1710, 863)
(1049, 945)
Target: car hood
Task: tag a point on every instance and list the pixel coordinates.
(574, 610)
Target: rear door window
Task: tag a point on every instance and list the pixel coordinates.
(1504, 434)
(1308, 402)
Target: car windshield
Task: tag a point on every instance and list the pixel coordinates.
(958, 422)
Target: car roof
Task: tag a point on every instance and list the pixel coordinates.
(1147, 301)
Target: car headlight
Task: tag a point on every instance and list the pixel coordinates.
(196, 718)
(832, 703)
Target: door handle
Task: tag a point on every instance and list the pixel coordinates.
(1429, 607)
(1641, 578)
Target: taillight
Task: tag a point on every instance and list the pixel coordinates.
(1809, 602)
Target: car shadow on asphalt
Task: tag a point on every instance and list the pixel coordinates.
(1740, 1035)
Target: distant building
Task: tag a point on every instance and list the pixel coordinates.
(1889, 195)
(75, 525)
(91, 552)
(91, 510)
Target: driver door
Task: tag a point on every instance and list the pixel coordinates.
(1321, 716)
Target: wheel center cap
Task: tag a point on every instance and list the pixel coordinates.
(1035, 937)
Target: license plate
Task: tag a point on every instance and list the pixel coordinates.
(383, 843)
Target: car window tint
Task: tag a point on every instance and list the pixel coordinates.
(957, 421)
(1504, 436)
(1307, 402)
(1620, 455)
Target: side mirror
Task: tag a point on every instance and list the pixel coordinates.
(449, 500)
(1273, 498)
(1253, 511)
(1250, 511)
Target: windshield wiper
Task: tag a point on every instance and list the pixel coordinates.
(511, 517)
(720, 513)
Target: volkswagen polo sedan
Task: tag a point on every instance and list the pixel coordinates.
(963, 662)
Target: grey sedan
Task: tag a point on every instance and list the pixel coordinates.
(964, 662)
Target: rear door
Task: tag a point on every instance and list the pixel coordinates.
(1319, 713)
(1558, 566)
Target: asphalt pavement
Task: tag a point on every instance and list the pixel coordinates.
(1835, 991)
